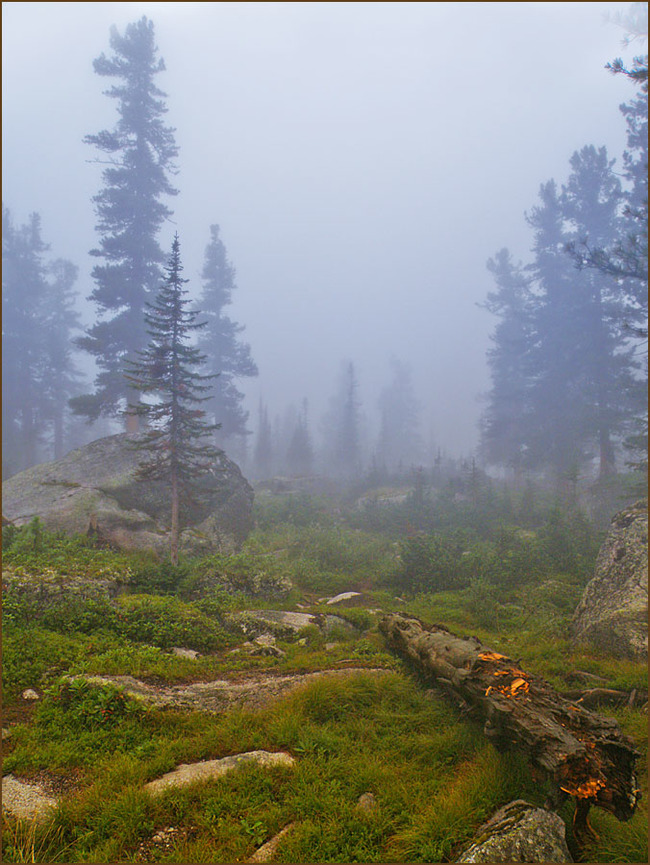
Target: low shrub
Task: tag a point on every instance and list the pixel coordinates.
(33, 657)
(243, 573)
(166, 622)
(298, 509)
(77, 705)
(431, 563)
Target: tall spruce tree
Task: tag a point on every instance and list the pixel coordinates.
(624, 260)
(504, 432)
(168, 370)
(592, 202)
(38, 321)
(140, 153)
(556, 435)
(563, 371)
(228, 358)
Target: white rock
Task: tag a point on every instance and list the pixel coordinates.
(30, 694)
(344, 596)
(28, 801)
(188, 773)
(185, 653)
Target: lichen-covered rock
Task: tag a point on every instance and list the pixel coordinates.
(519, 832)
(285, 625)
(30, 801)
(190, 773)
(279, 623)
(613, 611)
(94, 488)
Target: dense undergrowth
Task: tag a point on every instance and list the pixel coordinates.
(509, 570)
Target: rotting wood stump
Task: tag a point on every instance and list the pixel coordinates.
(583, 754)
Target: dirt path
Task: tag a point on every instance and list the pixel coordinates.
(219, 695)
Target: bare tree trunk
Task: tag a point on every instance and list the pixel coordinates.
(58, 434)
(132, 418)
(583, 754)
(174, 534)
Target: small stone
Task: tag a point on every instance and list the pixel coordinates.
(185, 653)
(30, 694)
(367, 802)
(267, 651)
(330, 646)
(265, 640)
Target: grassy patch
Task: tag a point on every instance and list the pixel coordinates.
(433, 775)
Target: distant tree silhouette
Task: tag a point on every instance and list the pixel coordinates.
(342, 427)
(300, 453)
(38, 320)
(399, 439)
(228, 358)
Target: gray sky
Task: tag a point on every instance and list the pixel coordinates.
(363, 160)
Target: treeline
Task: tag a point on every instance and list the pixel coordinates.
(568, 364)
(342, 444)
(568, 373)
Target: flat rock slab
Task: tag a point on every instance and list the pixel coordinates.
(189, 773)
(520, 832)
(28, 801)
(278, 621)
(220, 695)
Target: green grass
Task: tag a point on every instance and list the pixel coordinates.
(433, 774)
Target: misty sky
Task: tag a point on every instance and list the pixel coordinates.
(363, 160)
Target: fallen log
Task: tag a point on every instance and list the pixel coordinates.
(583, 754)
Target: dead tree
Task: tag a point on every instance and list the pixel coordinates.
(583, 754)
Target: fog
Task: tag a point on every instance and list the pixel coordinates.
(363, 161)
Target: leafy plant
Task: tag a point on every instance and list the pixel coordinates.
(77, 705)
(255, 829)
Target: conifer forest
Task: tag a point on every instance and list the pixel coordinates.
(324, 432)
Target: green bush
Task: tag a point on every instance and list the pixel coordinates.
(569, 543)
(77, 705)
(242, 573)
(483, 604)
(166, 622)
(31, 656)
(431, 563)
(356, 616)
(298, 509)
(151, 576)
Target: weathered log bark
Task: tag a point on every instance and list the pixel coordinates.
(583, 754)
(606, 697)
